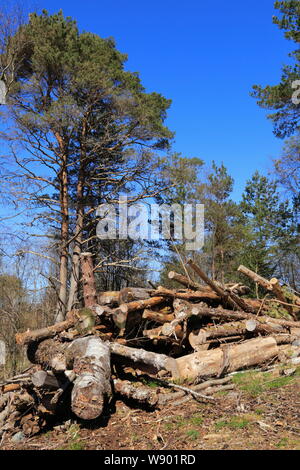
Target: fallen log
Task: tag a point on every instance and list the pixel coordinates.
(140, 394)
(183, 280)
(141, 358)
(153, 333)
(141, 304)
(121, 315)
(48, 332)
(191, 296)
(232, 329)
(92, 387)
(157, 317)
(224, 314)
(50, 354)
(228, 297)
(229, 358)
(109, 299)
(132, 294)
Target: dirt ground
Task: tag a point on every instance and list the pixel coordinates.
(263, 412)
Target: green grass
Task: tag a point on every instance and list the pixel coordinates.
(282, 443)
(255, 383)
(193, 434)
(197, 420)
(236, 422)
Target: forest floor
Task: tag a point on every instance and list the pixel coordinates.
(262, 413)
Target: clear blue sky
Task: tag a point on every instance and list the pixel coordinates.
(205, 56)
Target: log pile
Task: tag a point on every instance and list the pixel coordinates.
(120, 342)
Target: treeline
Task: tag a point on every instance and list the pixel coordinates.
(79, 130)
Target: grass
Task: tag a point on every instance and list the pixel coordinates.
(74, 442)
(236, 422)
(255, 383)
(197, 421)
(193, 434)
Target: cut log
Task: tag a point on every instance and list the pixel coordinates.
(141, 358)
(183, 280)
(140, 394)
(182, 309)
(228, 297)
(131, 294)
(109, 298)
(153, 333)
(221, 313)
(157, 317)
(121, 316)
(88, 280)
(48, 332)
(232, 329)
(229, 358)
(255, 277)
(141, 304)
(173, 329)
(43, 379)
(192, 296)
(92, 387)
(50, 354)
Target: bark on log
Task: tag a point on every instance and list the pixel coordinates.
(92, 387)
(88, 280)
(50, 354)
(232, 329)
(255, 277)
(230, 358)
(141, 395)
(221, 313)
(140, 358)
(229, 298)
(157, 316)
(141, 304)
(131, 294)
(192, 296)
(48, 332)
(173, 328)
(109, 298)
(153, 333)
(183, 280)
(121, 315)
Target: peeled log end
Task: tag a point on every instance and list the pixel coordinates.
(87, 398)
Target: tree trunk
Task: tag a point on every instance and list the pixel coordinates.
(216, 362)
(64, 237)
(88, 280)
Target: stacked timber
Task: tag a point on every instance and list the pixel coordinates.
(198, 333)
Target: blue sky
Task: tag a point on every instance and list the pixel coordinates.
(205, 56)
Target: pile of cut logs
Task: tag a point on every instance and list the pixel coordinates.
(122, 342)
